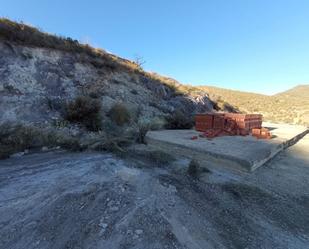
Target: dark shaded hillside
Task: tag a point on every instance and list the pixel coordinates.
(291, 106)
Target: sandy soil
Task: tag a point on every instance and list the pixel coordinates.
(91, 200)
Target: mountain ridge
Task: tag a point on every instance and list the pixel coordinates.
(290, 106)
(299, 90)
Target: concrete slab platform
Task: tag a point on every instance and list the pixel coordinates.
(229, 152)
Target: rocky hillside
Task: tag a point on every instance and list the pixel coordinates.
(55, 91)
(291, 106)
(40, 72)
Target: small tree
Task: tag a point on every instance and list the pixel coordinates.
(139, 60)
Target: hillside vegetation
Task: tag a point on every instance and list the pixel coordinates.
(291, 106)
(25, 35)
(84, 96)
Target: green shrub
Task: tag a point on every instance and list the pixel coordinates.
(179, 121)
(119, 114)
(144, 125)
(157, 123)
(86, 111)
(142, 130)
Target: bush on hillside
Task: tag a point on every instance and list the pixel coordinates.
(178, 120)
(85, 111)
(120, 114)
(145, 125)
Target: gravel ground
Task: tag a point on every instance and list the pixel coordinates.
(92, 200)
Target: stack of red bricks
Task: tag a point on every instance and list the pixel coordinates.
(245, 121)
(220, 124)
(261, 133)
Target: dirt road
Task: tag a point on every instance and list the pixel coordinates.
(91, 200)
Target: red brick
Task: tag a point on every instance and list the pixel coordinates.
(218, 122)
(256, 131)
(203, 122)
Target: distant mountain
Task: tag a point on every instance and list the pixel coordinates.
(291, 106)
(300, 91)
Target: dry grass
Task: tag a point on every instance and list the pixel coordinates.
(18, 137)
(175, 86)
(106, 142)
(26, 35)
(15, 138)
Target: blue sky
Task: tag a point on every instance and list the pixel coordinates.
(252, 45)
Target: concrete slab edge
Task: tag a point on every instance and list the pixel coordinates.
(226, 162)
(280, 148)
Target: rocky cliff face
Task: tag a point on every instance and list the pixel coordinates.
(36, 82)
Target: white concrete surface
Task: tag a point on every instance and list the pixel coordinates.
(232, 152)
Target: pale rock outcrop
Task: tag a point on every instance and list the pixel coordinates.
(35, 83)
